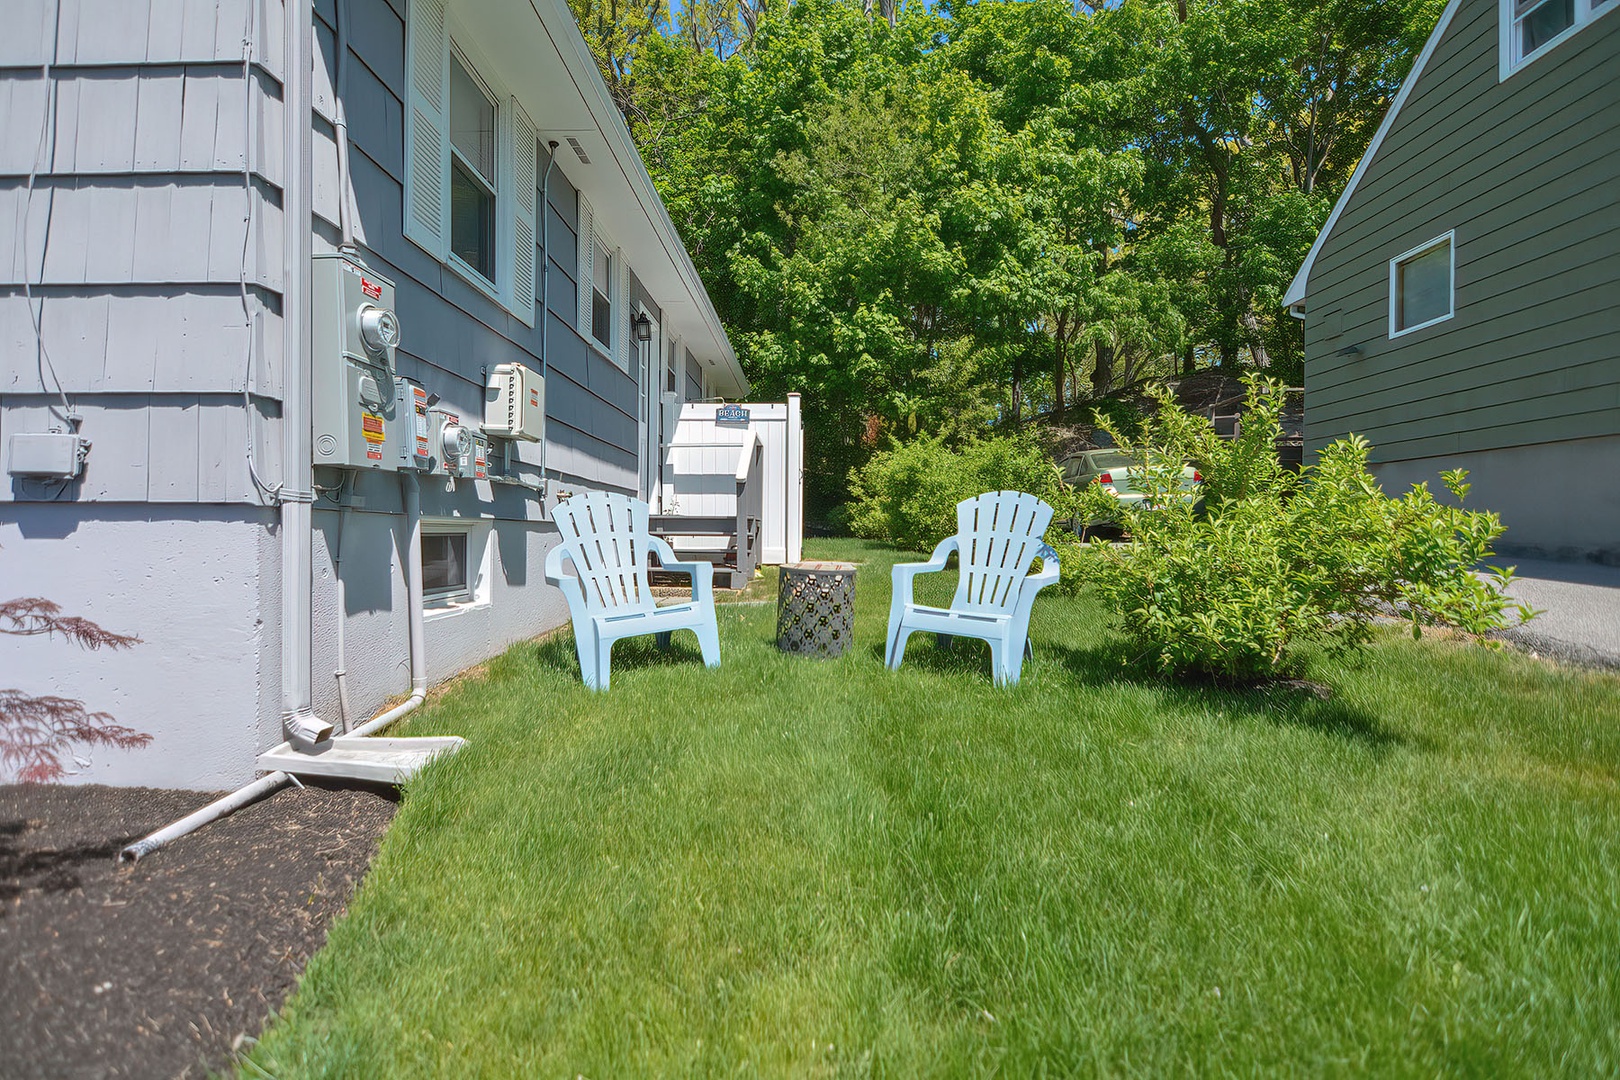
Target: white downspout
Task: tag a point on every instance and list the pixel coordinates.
(411, 492)
(304, 729)
(297, 499)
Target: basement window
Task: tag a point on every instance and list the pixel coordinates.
(444, 568)
(1422, 286)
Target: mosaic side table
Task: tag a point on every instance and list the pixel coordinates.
(815, 609)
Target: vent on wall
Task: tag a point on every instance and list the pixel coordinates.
(579, 150)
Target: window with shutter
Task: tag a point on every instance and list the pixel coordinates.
(427, 142)
(471, 164)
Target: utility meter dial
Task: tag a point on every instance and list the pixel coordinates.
(455, 442)
(379, 329)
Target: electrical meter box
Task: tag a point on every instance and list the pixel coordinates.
(412, 431)
(515, 404)
(455, 446)
(355, 334)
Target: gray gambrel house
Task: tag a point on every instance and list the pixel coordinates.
(254, 375)
(1462, 303)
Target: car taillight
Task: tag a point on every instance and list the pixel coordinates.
(1197, 479)
(1106, 478)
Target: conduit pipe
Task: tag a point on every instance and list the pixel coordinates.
(340, 124)
(545, 294)
(411, 492)
(237, 799)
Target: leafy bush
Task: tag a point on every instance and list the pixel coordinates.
(907, 495)
(1269, 560)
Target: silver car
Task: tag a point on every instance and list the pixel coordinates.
(1117, 473)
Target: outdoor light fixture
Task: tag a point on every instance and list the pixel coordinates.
(642, 326)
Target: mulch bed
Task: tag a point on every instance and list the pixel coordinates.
(158, 968)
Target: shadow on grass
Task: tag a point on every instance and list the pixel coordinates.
(1281, 703)
(964, 656)
(557, 653)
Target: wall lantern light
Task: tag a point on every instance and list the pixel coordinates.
(642, 326)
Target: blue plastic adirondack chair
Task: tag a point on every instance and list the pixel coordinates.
(998, 536)
(605, 536)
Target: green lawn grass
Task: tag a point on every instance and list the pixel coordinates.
(791, 867)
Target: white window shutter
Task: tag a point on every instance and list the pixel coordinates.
(427, 127)
(524, 158)
(583, 271)
(621, 312)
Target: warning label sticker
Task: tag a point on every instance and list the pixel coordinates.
(370, 288)
(371, 426)
(374, 453)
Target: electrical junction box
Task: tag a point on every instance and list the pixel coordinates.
(46, 455)
(480, 457)
(515, 404)
(355, 336)
(412, 434)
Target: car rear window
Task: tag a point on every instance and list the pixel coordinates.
(1111, 461)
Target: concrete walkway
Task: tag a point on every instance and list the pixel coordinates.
(1580, 604)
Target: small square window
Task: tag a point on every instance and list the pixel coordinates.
(1421, 287)
(444, 566)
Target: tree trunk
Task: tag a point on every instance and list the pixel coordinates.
(1188, 360)
(1017, 391)
(1103, 374)
(1257, 345)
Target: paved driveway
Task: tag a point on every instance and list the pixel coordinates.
(1581, 609)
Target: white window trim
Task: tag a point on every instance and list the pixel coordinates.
(1509, 63)
(1450, 240)
(476, 594)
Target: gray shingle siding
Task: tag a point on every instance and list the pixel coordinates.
(1525, 171)
(141, 189)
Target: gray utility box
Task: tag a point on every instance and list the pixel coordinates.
(412, 430)
(355, 336)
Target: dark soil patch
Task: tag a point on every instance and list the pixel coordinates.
(156, 969)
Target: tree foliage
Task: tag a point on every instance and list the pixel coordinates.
(945, 219)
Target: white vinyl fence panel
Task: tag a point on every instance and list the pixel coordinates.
(698, 478)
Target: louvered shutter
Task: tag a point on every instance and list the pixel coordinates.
(427, 128)
(621, 313)
(587, 253)
(524, 157)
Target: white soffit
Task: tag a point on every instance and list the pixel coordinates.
(540, 57)
(1296, 290)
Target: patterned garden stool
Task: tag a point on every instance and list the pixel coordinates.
(815, 608)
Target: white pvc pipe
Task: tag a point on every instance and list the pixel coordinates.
(411, 493)
(237, 799)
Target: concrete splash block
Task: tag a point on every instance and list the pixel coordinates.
(386, 761)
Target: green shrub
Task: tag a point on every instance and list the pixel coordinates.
(907, 495)
(1269, 560)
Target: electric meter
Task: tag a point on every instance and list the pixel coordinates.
(379, 331)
